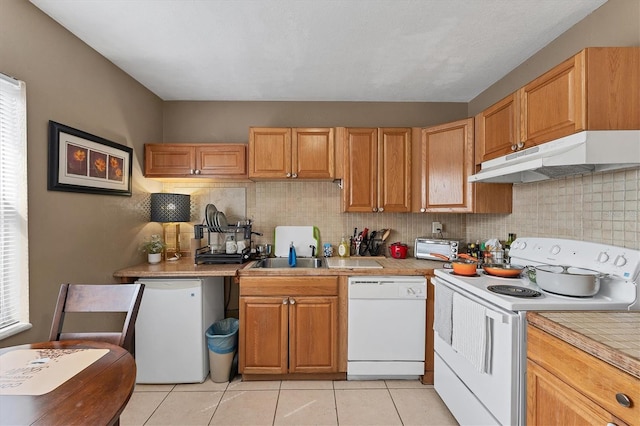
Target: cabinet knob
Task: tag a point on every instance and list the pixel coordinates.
(514, 147)
(198, 172)
(288, 175)
(422, 210)
(295, 175)
(381, 209)
(285, 301)
(375, 209)
(611, 424)
(623, 400)
(520, 145)
(192, 172)
(292, 301)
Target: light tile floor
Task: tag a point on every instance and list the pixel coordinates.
(383, 402)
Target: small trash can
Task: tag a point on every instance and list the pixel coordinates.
(222, 341)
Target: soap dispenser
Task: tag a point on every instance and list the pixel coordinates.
(343, 248)
(292, 255)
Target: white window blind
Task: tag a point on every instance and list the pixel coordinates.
(14, 265)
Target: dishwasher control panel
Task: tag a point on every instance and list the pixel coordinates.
(387, 287)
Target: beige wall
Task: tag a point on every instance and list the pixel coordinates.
(616, 23)
(230, 121)
(601, 207)
(74, 237)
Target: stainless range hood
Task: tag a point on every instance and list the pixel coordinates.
(584, 152)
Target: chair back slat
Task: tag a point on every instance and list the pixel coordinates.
(98, 298)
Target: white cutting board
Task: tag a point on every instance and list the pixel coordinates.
(302, 237)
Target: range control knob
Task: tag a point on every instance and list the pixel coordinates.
(620, 260)
(515, 245)
(522, 245)
(603, 257)
(555, 249)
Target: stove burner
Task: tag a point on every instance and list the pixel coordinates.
(515, 291)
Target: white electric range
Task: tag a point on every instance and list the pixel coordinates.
(480, 335)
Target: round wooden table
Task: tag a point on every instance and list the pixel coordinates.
(96, 395)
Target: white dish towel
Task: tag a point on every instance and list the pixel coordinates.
(470, 338)
(442, 314)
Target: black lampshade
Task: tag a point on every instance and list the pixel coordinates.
(170, 207)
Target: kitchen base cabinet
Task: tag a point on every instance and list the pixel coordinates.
(288, 325)
(568, 386)
(553, 402)
(427, 378)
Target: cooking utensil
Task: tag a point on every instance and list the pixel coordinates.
(505, 270)
(364, 245)
(462, 265)
(385, 234)
(568, 281)
(398, 250)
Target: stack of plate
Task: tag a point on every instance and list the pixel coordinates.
(216, 220)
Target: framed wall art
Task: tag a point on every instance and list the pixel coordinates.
(82, 162)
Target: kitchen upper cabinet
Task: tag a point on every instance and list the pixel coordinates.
(291, 153)
(377, 169)
(568, 386)
(498, 129)
(195, 160)
(288, 325)
(446, 161)
(597, 89)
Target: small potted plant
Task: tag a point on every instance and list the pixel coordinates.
(153, 247)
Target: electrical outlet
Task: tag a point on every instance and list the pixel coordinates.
(436, 227)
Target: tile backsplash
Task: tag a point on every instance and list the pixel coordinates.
(601, 207)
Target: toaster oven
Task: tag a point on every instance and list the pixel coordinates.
(426, 247)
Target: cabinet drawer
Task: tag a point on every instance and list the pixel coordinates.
(596, 379)
(289, 286)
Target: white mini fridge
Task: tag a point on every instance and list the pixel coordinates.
(170, 341)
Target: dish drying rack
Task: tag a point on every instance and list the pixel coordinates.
(204, 255)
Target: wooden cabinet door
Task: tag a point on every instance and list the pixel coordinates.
(270, 152)
(554, 104)
(447, 161)
(313, 337)
(263, 335)
(360, 170)
(498, 129)
(224, 160)
(313, 153)
(394, 170)
(550, 401)
(161, 160)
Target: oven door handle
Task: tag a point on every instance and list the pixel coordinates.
(504, 319)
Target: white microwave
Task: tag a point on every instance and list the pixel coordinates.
(425, 248)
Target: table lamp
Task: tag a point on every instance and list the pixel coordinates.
(171, 208)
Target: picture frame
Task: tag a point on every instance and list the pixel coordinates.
(82, 162)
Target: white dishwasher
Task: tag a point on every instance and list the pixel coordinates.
(387, 323)
(170, 341)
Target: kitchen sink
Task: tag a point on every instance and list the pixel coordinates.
(283, 262)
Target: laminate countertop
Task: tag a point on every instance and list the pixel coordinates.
(185, 267)
(611, 336)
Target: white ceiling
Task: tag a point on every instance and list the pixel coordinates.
(317, 50)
